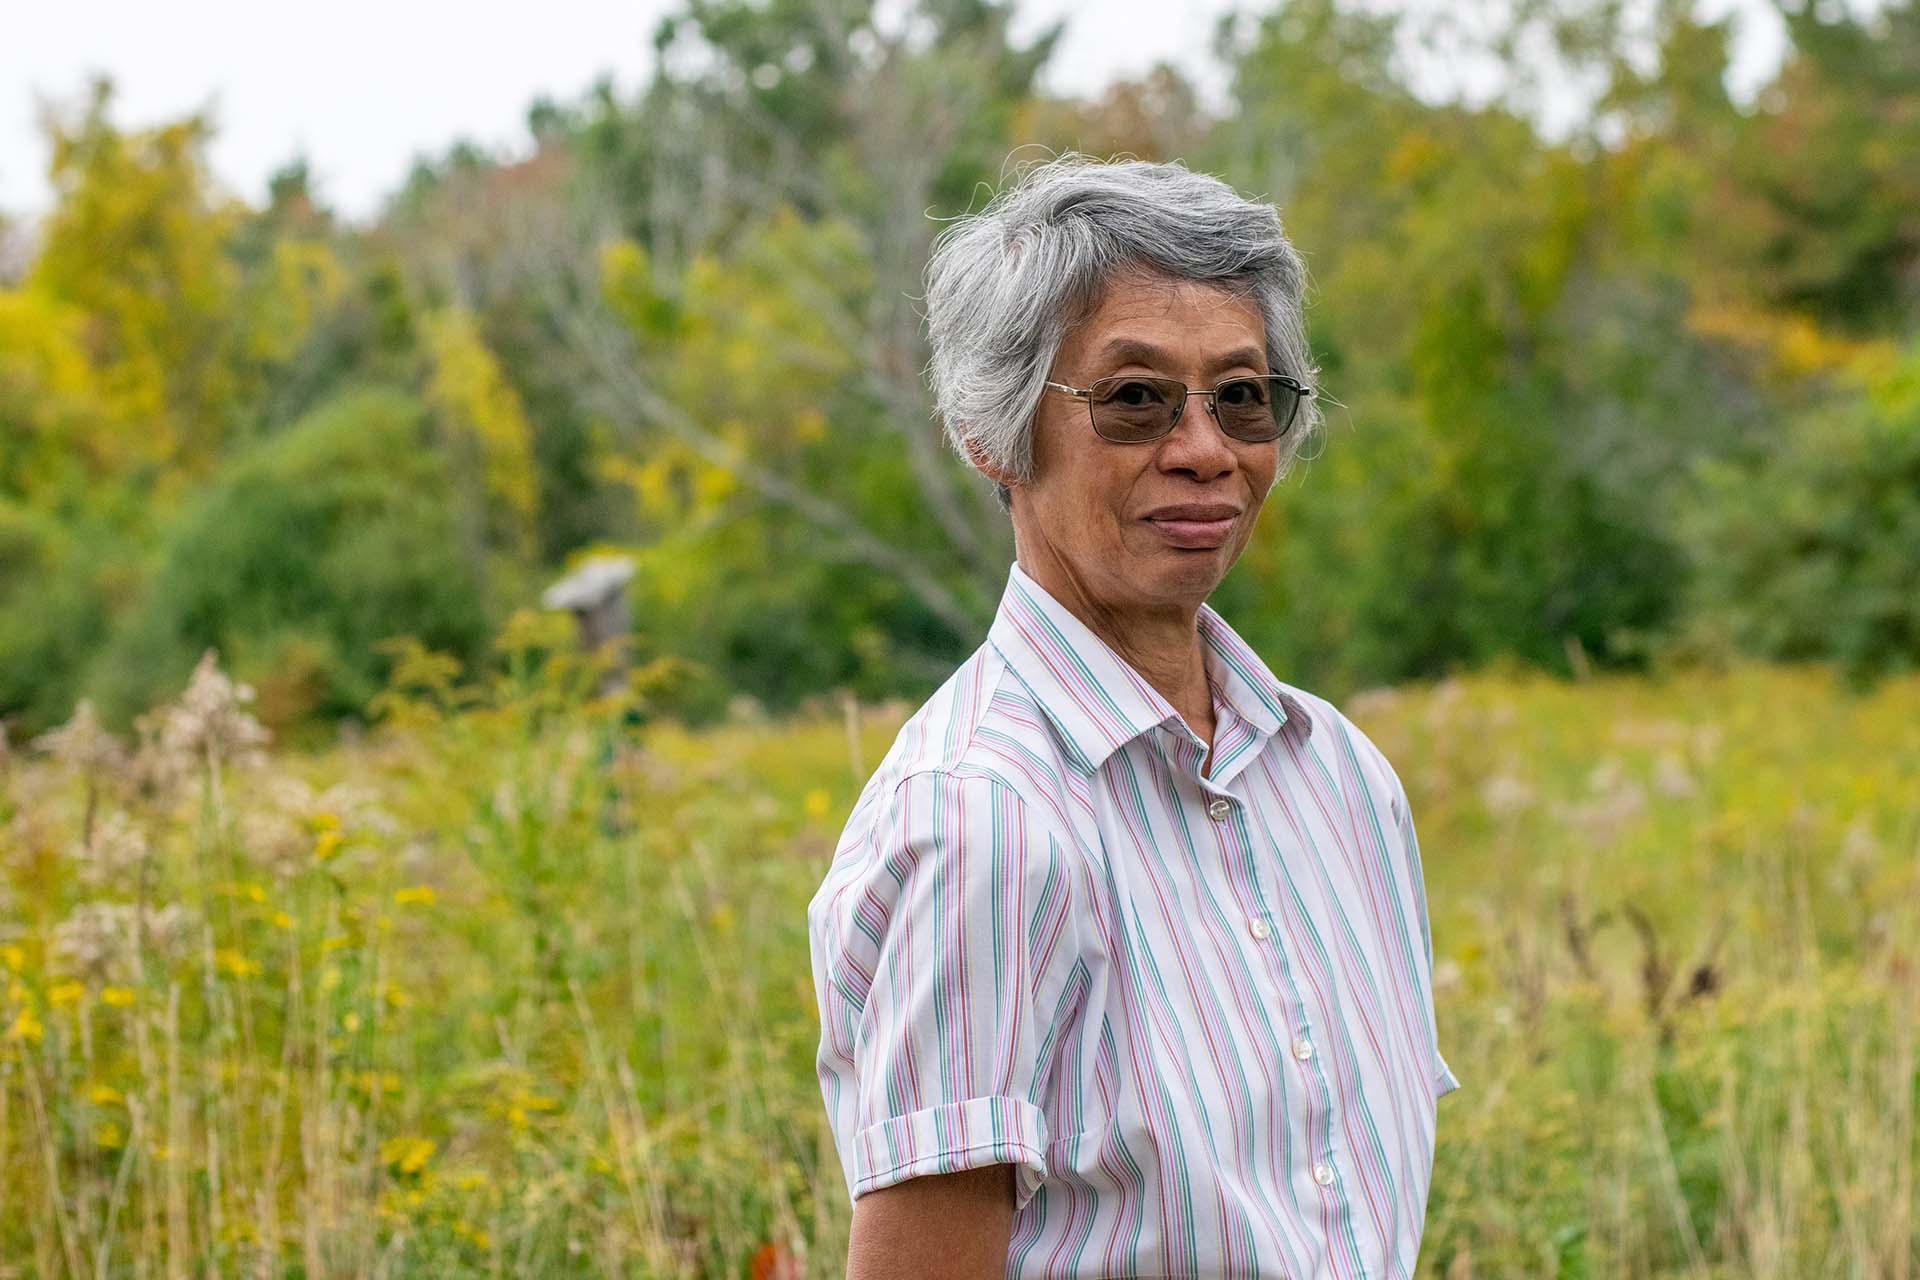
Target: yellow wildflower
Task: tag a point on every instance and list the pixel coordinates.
(407, 1154)
(13, 957)
(107, 1134)
(282, 919)
(65, 993)
(118, 997)
(104, 1095)
(371, 1082)
(819, 803)
(26, 1027)
(421, 893)
(231, 961)
(524, 1101)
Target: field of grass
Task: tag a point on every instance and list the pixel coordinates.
(516, 983)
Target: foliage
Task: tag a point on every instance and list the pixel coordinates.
(486, 416)
(1564, 374)
(136, 240)
(1809, 550)
(51, 415)
(56, 586)
(301, 557)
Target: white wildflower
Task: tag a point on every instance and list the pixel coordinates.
(278, 831)
(275, 840)
(82, 743)
(98, 940)
(1615, 801)
(1447, 703)
(151, 768)
(210, 718)
(117, 848)
(1378, 703)
(1505, 795)
(1672, 777)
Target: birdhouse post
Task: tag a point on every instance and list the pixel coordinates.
(595, 592)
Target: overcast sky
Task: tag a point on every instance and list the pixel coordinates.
(363, 86)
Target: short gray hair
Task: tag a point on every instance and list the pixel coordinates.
(1004, 286)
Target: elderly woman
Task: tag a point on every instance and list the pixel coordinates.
(1123, 959)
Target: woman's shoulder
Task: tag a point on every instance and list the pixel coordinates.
(1342, 743)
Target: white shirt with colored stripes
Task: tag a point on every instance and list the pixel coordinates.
(1195, 1012)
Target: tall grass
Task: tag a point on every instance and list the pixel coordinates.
(517, 983)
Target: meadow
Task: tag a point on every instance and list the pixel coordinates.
(345, 955)
(514, 981)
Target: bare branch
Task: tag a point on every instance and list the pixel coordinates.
(621, 390)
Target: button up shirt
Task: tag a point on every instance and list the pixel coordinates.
(1193, 1009)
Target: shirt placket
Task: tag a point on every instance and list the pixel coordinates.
(1256, 888)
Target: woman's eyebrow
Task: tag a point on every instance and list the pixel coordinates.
(1252, 357)
(1133, 351)
(1137, 351)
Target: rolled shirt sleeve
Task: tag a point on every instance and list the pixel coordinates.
(942, 944)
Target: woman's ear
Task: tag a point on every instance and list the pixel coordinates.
(985, 465)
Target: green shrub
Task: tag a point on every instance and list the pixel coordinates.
(1810, 552)
(52, 612)
(300, 557)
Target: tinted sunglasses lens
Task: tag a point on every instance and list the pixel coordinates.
(1129, 410)
(1255, 409)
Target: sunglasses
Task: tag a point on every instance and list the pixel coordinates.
(1131, 408)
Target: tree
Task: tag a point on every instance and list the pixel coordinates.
(135, 241)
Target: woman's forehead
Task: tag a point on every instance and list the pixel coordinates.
(1147, 319)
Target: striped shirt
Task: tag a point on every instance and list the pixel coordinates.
(1195, 1011)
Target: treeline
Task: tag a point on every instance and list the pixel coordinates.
(1647, 391)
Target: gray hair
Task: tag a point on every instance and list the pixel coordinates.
(1004, 286)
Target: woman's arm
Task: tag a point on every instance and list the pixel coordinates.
(945, 1226)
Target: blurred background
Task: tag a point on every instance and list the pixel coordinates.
(471, 521)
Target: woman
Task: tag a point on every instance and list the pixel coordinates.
(1123, 959)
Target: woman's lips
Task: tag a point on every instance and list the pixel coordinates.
(1194, 533)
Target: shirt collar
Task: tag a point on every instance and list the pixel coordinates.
(1097, 701)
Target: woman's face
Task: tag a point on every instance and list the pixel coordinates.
(1088, 516)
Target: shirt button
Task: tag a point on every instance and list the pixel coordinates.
(1259, 927)
(1219, 809)
(1323, 1173)
(1303, 1048)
